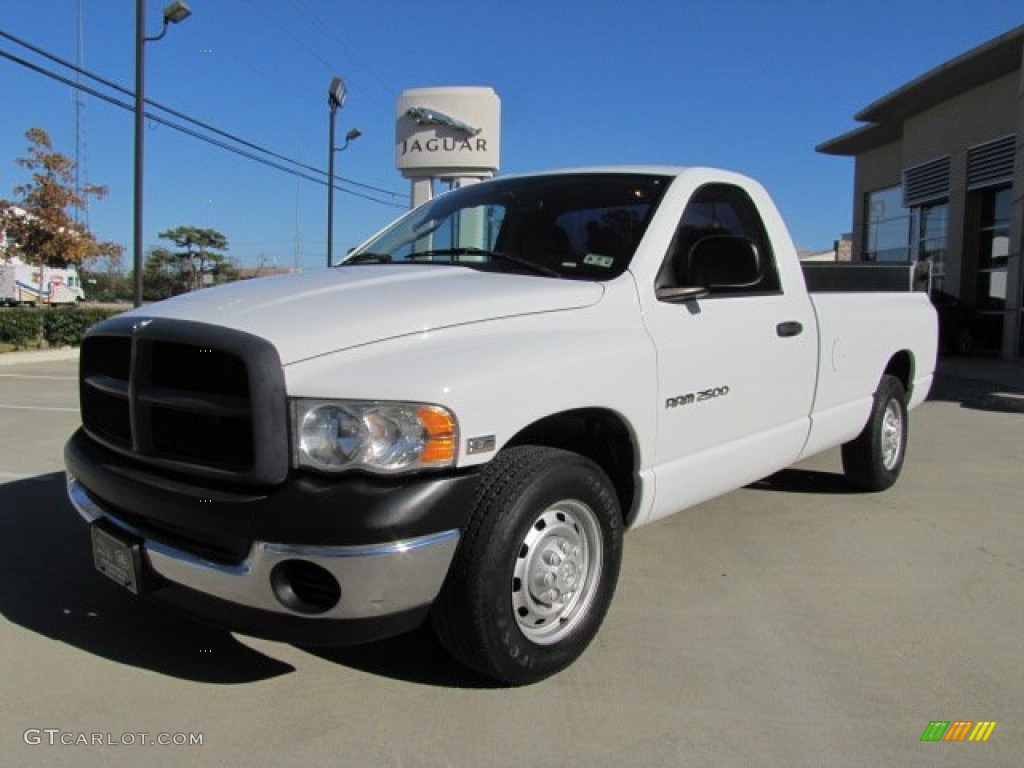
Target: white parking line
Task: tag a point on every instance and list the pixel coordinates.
(36, 376)
(8, 477)
(36, 408)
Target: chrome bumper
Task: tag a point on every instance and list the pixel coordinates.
(376, 580)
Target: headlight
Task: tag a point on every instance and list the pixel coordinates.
(334, 435)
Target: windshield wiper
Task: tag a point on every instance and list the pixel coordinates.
(497, 255)
(366, 258)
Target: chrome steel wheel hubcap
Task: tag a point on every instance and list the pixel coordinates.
(557, 570)
(892, 435)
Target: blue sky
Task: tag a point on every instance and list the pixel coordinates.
(750, 86)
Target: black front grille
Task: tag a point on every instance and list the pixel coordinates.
(174, 366)
(217, 440)
(106, 415)
(109, 356)
(186, 396)
(105, 370)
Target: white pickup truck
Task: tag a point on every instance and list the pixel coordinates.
(461, 420)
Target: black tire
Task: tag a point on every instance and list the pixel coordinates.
(536, 569)
(874, 459)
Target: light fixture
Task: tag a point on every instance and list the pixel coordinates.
(351, 136)
(336, 93)
(176, 12)
(173, 14)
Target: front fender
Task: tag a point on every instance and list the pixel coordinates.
(500, 376)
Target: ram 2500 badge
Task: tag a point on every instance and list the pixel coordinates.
(459, 422)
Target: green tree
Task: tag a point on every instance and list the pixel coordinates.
(200, 257)
(39, 221)
(104, 278)
(162, 277)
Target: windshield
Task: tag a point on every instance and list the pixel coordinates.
(583, 225)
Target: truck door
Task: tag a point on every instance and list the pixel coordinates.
(737, 367)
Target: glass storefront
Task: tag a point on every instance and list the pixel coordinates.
(898, 234)
(993, 249)
(888, 226)
(932, 235)
(993, 253)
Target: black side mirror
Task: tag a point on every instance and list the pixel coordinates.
(716, 262)
(724, 261)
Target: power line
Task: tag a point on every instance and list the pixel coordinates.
(188, 131)
(268, 77)
(302, 43)
(294, 37)
(330, 33)
(194, 121)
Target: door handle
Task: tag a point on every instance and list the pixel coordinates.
(792, 328)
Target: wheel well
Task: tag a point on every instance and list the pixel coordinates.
(598, 434)
(901, 365)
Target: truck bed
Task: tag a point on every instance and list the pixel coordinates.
(865, 276)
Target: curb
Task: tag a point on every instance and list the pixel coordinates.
(38, 356)
(1005, 402)
(979, 391)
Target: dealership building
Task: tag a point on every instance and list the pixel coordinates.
(939, 178)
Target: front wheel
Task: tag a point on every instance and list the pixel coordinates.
(537, 567)
(873, 460)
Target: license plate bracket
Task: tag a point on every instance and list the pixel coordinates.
(118, 556)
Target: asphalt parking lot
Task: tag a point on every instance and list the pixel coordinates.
(791, 623)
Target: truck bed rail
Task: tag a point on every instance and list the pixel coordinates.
(859, 276)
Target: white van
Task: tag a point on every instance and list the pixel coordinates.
(22, 283)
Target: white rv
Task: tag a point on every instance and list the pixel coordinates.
(22, 283)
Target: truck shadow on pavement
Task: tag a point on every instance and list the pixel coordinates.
(416, 657)
(48, 585)
(805, 481)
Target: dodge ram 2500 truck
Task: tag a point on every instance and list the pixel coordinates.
(459, 422)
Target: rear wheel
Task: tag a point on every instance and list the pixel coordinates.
(537, 566)
(874, 459)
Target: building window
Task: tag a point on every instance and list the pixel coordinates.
(888, 226)
(932, 226)
(993, 249)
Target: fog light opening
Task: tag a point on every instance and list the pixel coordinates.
(304, 587)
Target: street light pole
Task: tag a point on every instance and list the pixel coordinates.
(173, 13)
(140, 100)
(335, 100)
(330, 175)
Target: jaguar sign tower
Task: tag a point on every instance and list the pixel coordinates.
(451, 134)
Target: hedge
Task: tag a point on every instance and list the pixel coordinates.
(27, 328)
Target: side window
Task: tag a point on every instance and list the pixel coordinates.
(719, 209)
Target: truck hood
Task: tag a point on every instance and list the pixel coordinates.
(327, 310)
